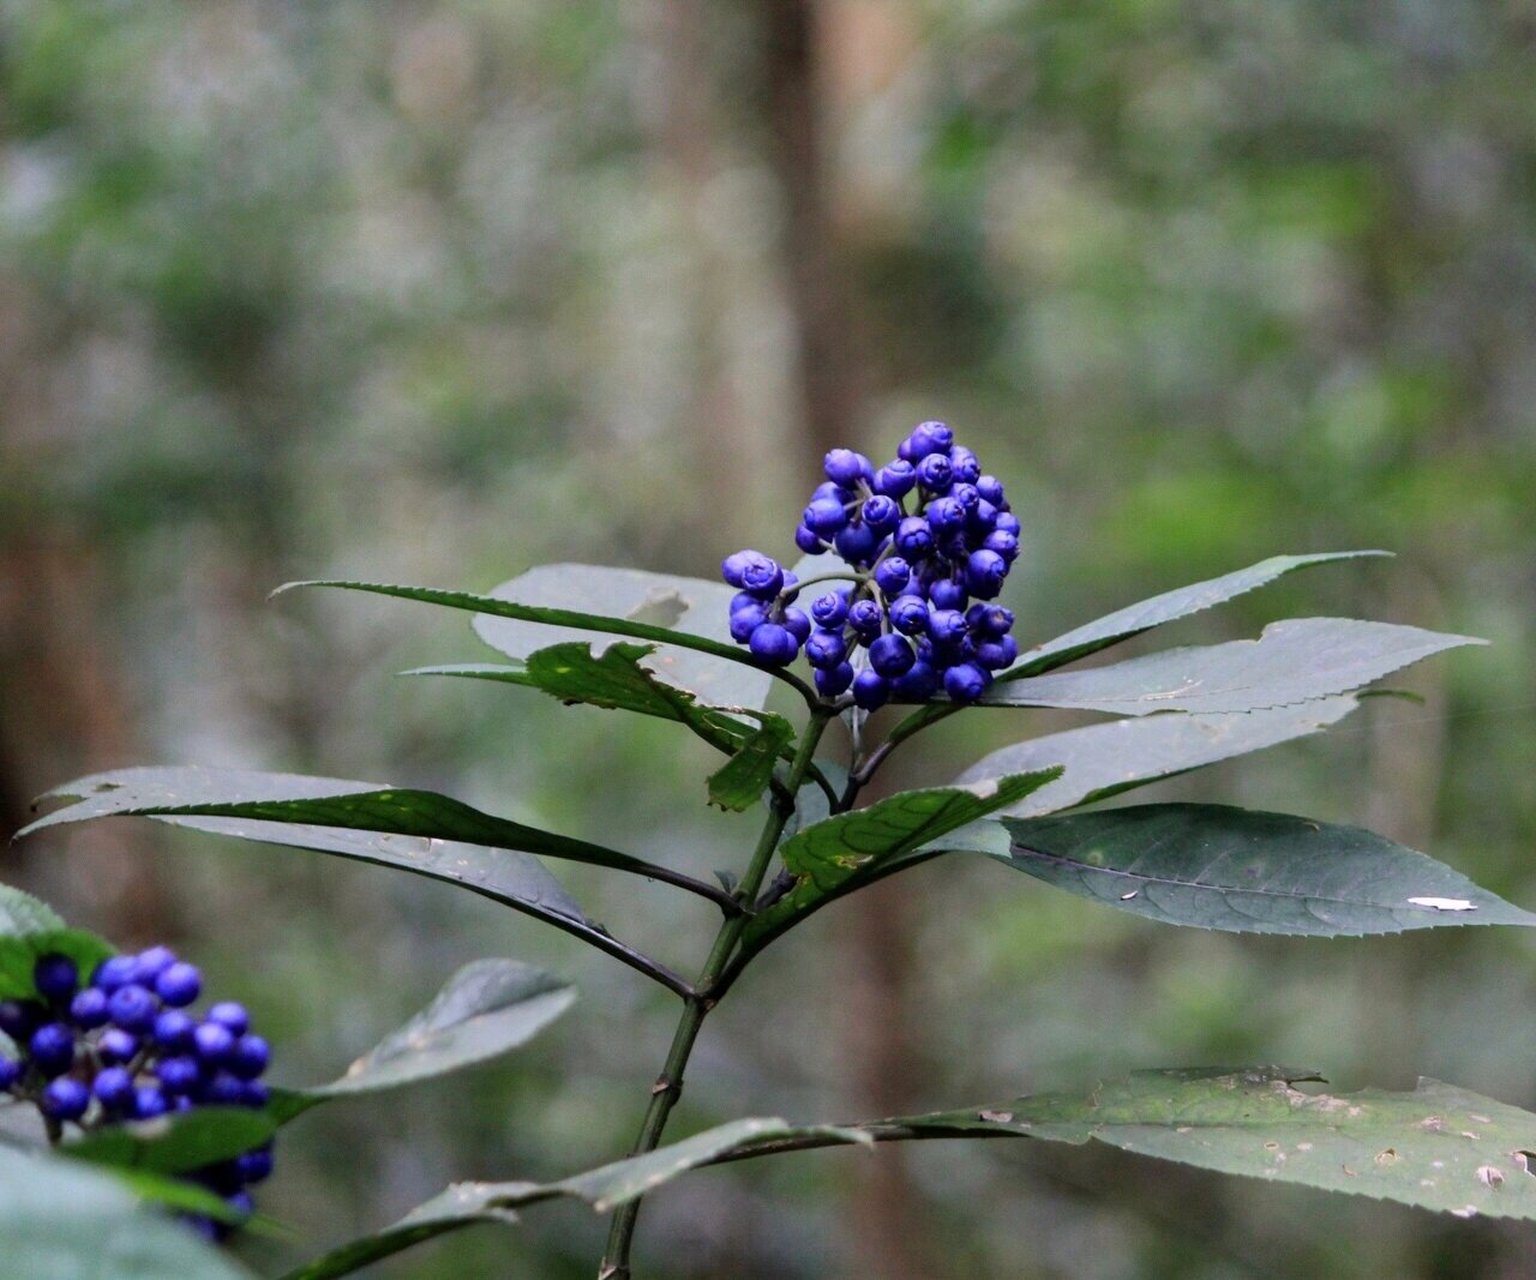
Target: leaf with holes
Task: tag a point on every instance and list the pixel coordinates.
(1242, 871)
(1293, 661)
(1439, 1147)
(1168, 607)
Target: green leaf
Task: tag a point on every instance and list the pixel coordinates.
(516, 880)
(326, 802)
(1293, 661)
(614, 1184)
(1168, 607)
(835, 855)
(688, 618)
(175, 1143)
(1215, 867)
(1102, 760)
(616, 679)
(486, 1009)
(1439, 1147)
(30, 929)
(63, 1220)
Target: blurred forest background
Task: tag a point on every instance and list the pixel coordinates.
(433, 292)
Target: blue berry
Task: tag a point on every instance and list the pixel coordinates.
(946, 626)
(857, 544)
(891, 656)
(991, 490)
(115, 972)
(909, 614)
(881, 513)
(870, 690)
(55, 977)
(65, 1099)
(173, 1030)
(179, 985)
(254, 1165)
(773, 644)
(179, 1075)
(747, 619)
(914, 538)
(808, 541)
(847, 468)
(947, 594)
(826, 649)
(994, 620)
(223, 1091)
(149, 1101)
(984, 573)
(964, 465)
(825, 517)
(113, 1087)
(918, 684)
(1003, 543)
(892, 574)
(153, 962)
(797, 624)
(997, 655)
(865, 618)
(945, 515)
(935, 474)
(20, 1018)
(254, 1094)
(1007, 522)
(249, 1057)
(965, 682)
(831, 681)
(52, 1048)
(762, 578)
(88, 1009)
(10, 1072)
(133, 1008)
(831, 610)
(895, 479)
(926, 438)
(117, 1045)
(967, 496)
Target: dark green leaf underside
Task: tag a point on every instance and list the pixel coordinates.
(1216, 867)
(1293, 661)
(176, 1143)
(1168, 607)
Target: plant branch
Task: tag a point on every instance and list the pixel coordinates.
(669, 1084)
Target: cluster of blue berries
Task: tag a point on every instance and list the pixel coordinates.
(928, 540)
(124, 1047)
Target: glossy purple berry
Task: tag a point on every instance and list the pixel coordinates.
(149, 1101)
(20, 1018)
(847, 468)
(826, 649)
(173, 1030)
(808, 541)
(52, 1048)
(113, 1087)
(909, 615)
(881, 513)
(997, 655)
(249, 1057)
(117, 1045)
(10, 1072)
(832, 681)
(926, 438)
(762, 577)
(65, 1099)
(892, 574)
(254, 1094)
(984, 573)
(865, 618)
(231, 1014)
(115, 972)
(180, 1075)
(946, 626)
(153, 961)
(914, 538)
(212, 1041)
(991, 490)
(870, 690)
(825, 517)
(967, 496)
(1007, 522)
(1004, 544)
(55, 977)
(133, 1008)
(891, 656)
(935, 474)
(88, 1009)
(179, 985)
(747, 619)
(965, 682)
(830, 610)
(773, 644)
(254, 1166)
(964, 465)
(918, 684)
(990, 620)
(947, 594)
(895, 479)
(857, 544)
(945, 515)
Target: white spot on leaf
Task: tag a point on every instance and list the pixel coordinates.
(1444, 904)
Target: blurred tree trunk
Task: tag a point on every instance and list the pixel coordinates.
(886, 1236)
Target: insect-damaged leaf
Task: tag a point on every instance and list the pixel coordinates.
(1293, 661)
(1243, 871)
(1438, 1147)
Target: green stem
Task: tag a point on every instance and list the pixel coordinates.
(669, 1084)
